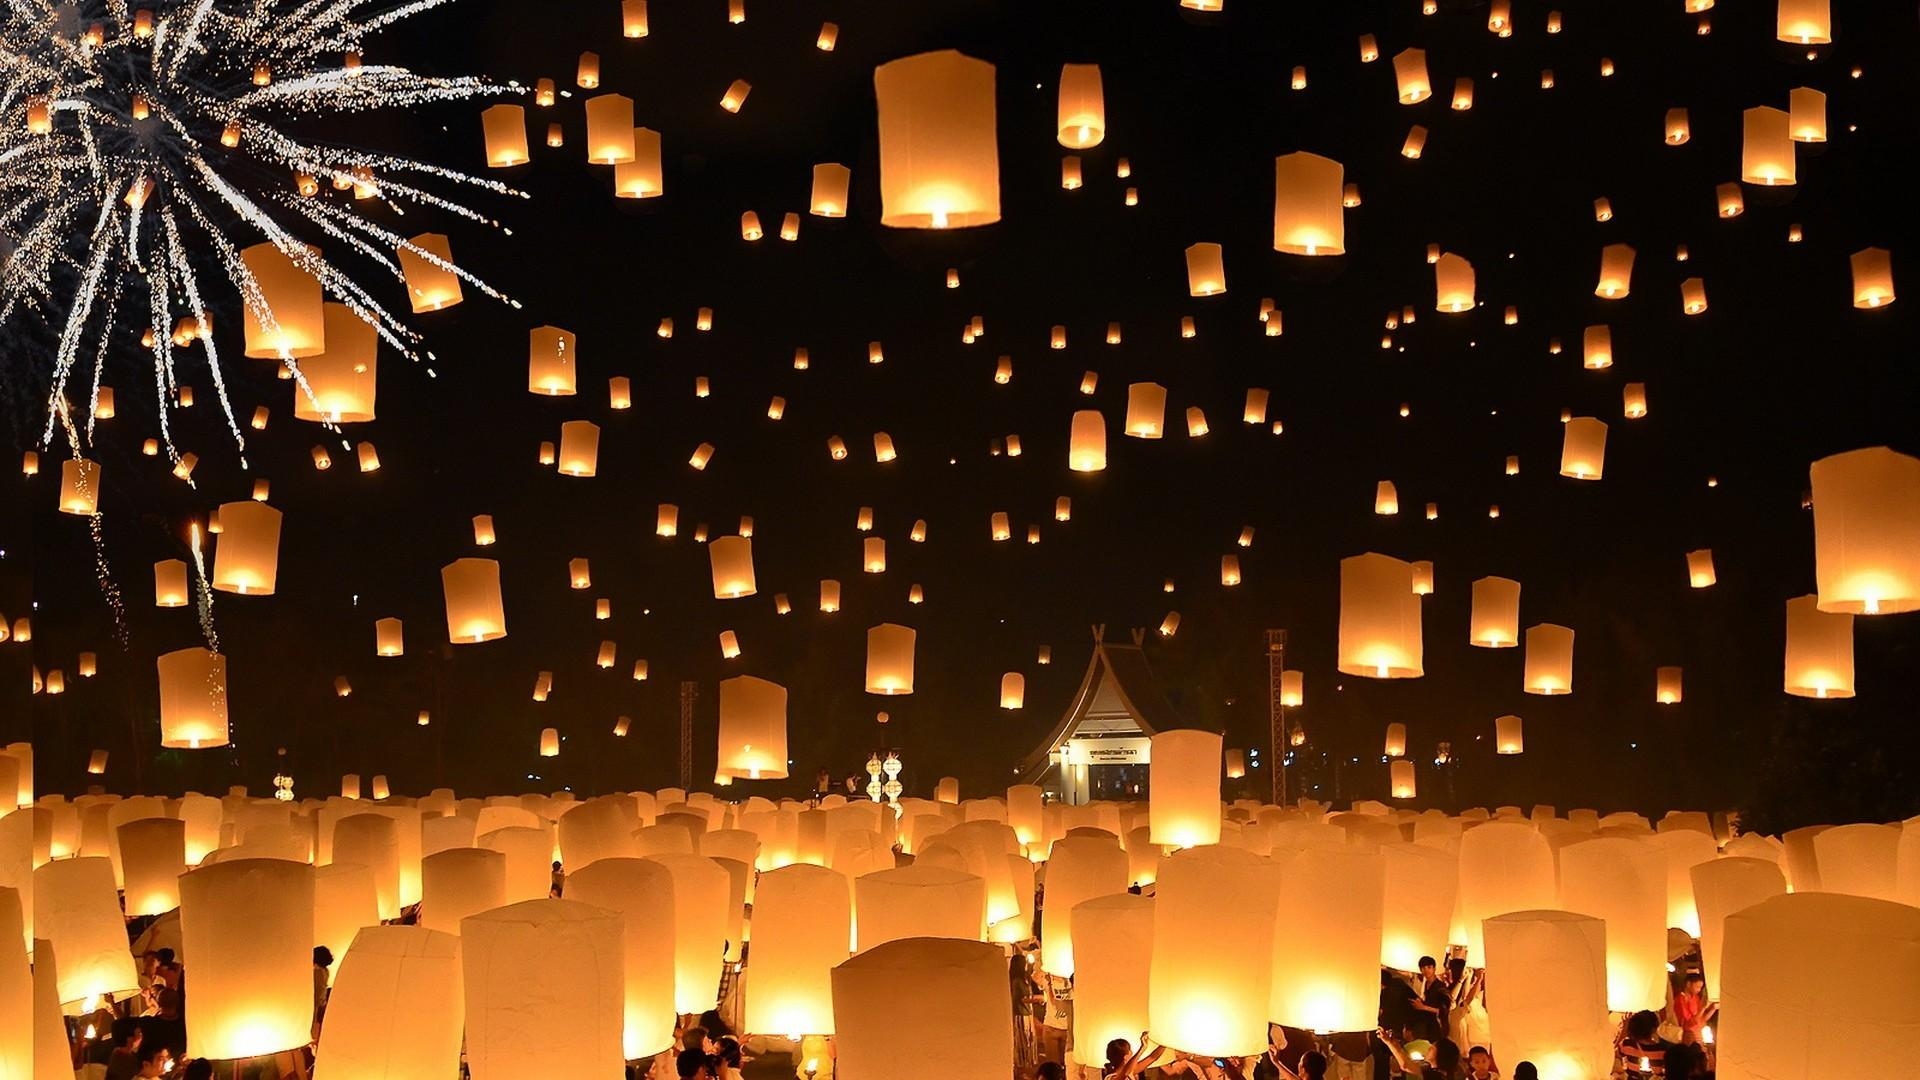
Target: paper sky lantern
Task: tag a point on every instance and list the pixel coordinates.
(919, 901)
(395, 980)
(1859, 860)
(79, 486)
(153, 854)
(247, 558)
(1308, 218)
(890, 659)
(1819, 660)
(1623, 883)
(1292, 688)
(1184, 793)
(505, 128)
(1666, 685)
(341, 382)
(1462, 94)
(1583, 448)
(830, 182)
(731, 558)
(1379, 618)
(549, 742)
(1678, 130)
(1616, 272)
(1083, 108)
(1549, 660)
(248, 927)
(579, 448)
(1206, 270)
(939, 159)
(700, 891)
(1087, 444)
(1633, 400)
(474, 609)
(1146, 410)
(1421, 884)
(1211, 976)
(1410, 73)
(76, 908)
(193, 698)
(1013, 690)
(1504, 866)
(1326, 956)
(829, 35)
(1766, 151)
(642, 176)
(1495, 621)
(1777, 1006)
(170, 583)
(292, 306)
(802, 921)
(1731, 202)
(1453, 284)
(753, 729)
(551, 356)
(543, 986)
(1566, 1034)
(1386, 500)
(1070, 178)
(641, 891)
(1402, 782)
(1079, 868)
(1110, 973)
(1720, 888)
(610, 129)
(1807, 115)
(1804, 22)
(459, 882)
(1866, 531)
(1872, 277)
(426, 262)
(736, 95)
(829, 595)
(956, 1025)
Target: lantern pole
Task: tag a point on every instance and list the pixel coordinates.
(1276, 714)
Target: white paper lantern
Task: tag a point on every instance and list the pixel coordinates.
(543, 985)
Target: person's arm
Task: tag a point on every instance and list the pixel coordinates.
(1398, 1051)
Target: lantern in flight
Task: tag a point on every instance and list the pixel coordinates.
(1308, 215)
(1083, 109)
(1379, 618)
(939, 158)
(1866, 531)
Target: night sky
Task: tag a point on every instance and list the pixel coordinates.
(1779, 371)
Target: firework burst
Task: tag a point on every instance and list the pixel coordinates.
(142, 148)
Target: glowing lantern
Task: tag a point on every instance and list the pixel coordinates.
(459, 882)
(1819, 660)
(1808, 115)
(79, 486)
(873, 555)
(1326, 973)
(1184, 793)
(474, 609)
(1110, 973)
(633, 18)
(292, 297)
(1083, 109)
(1453, 283)
(880, 1033)
(890, 659)
(1732, 203)
(939, 162)
(1504, 866)
(552, 966)
(1872, 277)
(153, 855)
(732, 563)
(1616, 272)
(802, 921)
(1415, 144)
(579, 448)
(1211, 976)
(830, 182)
(1379, 618)
(248, 925)
(1623, 882)
(666, 520)
(75, 907)
(1507, 735)
(1804, 22)
(1678, 131)
(1549, 663)
(829, 36)
(1693, 296)
(1568, 1033)
(1866, 522)
(1402, 780)
(1666, 685)
(247, 559)
(549, 742)
(1633, 400)
(426, 262)
(1462, 94)
(753, 729)
(193, 698)
(1146, 409)
(1292, 688)
(1386, 500)
(1700, 568)
(829, 595)
(1583, 448)
(1766, 154)
(1308, 218)
(1070, 179)
(1410, 74)
(395, 978)
(1721, 887)
(1206, 270)
(610, 129)
(505, 127)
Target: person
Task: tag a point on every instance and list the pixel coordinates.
(1641, 1049)
(727, 1060)
(154, 1061)
(322, 961)
(559, 881)
(1435, 1001)
(200, 1069)
(1687, 1062)
(1480, 1064)
(124, 1062)
(1526, 1070)
(1691, 1009)
(1049, 1070)
(1425, 1060)
(1126, 1063)
(1313, 1066)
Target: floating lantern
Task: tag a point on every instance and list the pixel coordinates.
(1721, 887)
(1567, 1034)
(1379, 618)
(666, 520)
(1410, 76)
(729, 645)
(1819, 660)
(1462, 95)
(505, 128)
(79, 486)
(1308, 218)
(960, 1028)
(1693, 296)
(1211, 977)
(552, 966)
(1083, 109)
(1110, 973)
(890, 659)
(1700, 568)
(873, 555)
(939, 162)
(1229, 570)
(1386, 500)
(1369, 49)
(426, 263)
(641, 177)
(248, 925)
(1423, 569)
(830, 182)
(1732, 203)
(633, 18)
(153, 855)
(341, 383)
(736, 95)
(1146, 410)
(1866, 525)
(1013, 690)
(1508, 737)
(459, 882)
(587, 72)
(1804, 22)
(1678, 129)
(1872, 277)
(1807, 115)
(1396, 744)
(1196, 422)
(1415, 144)
(579, 448)
(292, 298)
(1255, 409)
(1170, 625)
(1766, 154)
(1453, 284)
(474, 609)
(1623, 882)
(75, 906)
(1184, 792)
(1292, 688)
(1583, 448)
(828, 37)
(1505, 866)
(1070, 179)
(1000, 527)
(1633, 400)
(1206, 270)
(1616, 272)
(610, 129)
(1326, 962)
(731, 558)
(1401, 778)
(753, 729)
(1549, 662)
(802, 921)
(1063, 509)
(193, 698)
